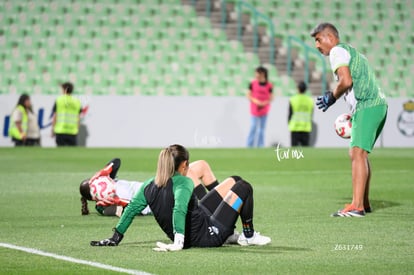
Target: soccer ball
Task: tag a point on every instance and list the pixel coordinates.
(103, 188)
(343, 125)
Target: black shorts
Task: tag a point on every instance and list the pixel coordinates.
(18, 142)
(207, 232)
(66, 140)
(32, 142)
(300, 138)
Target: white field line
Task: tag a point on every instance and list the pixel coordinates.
(73, 260)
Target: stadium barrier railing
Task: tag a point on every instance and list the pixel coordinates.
(258, 19)
(307, 52)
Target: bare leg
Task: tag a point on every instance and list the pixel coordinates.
(224, 187)
(216, 196)
(360, 175)
(201, 173)
(366, 194)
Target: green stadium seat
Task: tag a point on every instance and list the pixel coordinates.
(136, 44)
(170, 91)
(150, 89)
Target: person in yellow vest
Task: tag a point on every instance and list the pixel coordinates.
(66, 114)
(300, 116)
(19, 120)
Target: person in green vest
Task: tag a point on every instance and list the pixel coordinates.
(66, 114)
(19, 120)
(300, 116)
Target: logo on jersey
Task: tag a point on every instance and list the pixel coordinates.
(213, 230)
(405, 121)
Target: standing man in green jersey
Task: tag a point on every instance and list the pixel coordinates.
(66, 115)
(356, 81)
(300, 116)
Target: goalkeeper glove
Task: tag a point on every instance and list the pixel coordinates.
(176, 246)
(325, 101)
(113, 241)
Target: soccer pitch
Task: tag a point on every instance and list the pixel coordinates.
(294, 197)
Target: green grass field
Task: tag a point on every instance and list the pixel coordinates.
(294, 198)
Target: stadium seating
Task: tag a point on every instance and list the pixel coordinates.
(111, 47)
(142, 47)
(382, 30)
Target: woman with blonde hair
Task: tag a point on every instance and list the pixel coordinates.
(185, 220)
(199, 171)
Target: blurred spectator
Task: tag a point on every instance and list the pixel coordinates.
(33, 130)
(19, 120)
(66, 117)
(260, 95)
(300, 116)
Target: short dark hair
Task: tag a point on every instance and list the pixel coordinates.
(322, 26)
(68, 87)
(262, 70)
(302, 87)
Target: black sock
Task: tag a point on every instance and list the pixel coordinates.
(248, 229)
(200, 191)
(212, 185)
(116, 163)
(245, 191)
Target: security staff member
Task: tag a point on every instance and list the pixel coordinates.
(300, 116)
(66, 112)
(19, 121)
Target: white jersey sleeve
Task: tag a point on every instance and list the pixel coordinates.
(126, 190)
(340, 57)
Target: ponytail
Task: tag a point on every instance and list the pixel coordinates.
(85, 191)
(165, 168)
(85, 210)
(169, 160)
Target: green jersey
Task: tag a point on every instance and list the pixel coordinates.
(365, 91)
(170, 205)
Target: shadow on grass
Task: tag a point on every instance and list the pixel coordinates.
(143, 243)
(377, 204)
(267, 249)
(381, 204)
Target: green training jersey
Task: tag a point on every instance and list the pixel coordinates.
(365, 91)
(169, 205)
